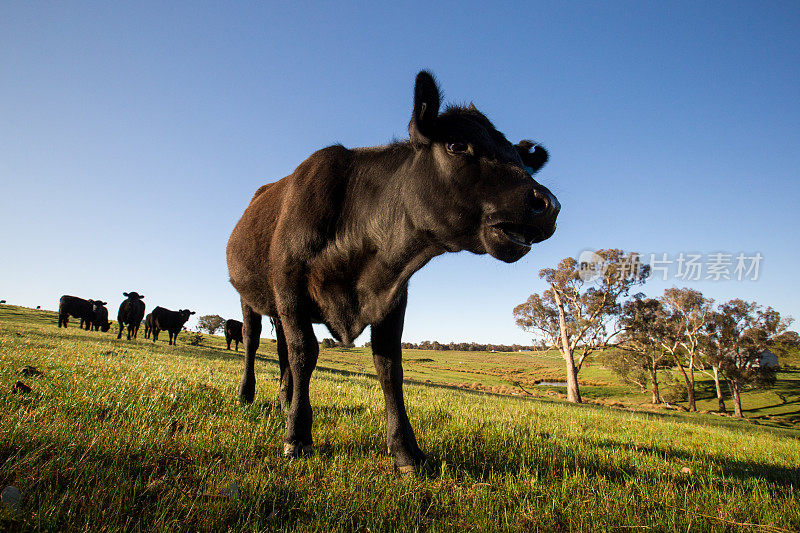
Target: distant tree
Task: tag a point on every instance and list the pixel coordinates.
(687, 311)
(785, 344)
(328, 343)
(744, 330)
(640, 352)
(577, 313)
(210, 323)
(712, 352)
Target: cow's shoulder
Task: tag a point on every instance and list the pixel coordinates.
(313, 198)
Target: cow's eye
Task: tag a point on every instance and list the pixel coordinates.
(457, 148)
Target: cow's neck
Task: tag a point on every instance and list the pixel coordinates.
(360, 276)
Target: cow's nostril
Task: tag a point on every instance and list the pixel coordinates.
(537, 201)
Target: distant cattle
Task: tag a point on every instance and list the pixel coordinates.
(80, 309)
(233, 332)
(169, 321)
(148, 325)
(100, 320)
(131, 312)
(2, 301)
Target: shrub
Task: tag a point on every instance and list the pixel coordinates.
(195, 338)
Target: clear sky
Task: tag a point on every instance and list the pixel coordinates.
(133, 134)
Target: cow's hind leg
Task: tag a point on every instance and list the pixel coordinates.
(302, 352)
(387, 355)
(251, 333)
(285, 391)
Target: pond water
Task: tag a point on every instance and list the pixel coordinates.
(552, 384)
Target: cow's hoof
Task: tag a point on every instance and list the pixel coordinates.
(297, 449)
(247, 391)
(422, 468)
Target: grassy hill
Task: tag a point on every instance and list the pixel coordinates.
(131, 435)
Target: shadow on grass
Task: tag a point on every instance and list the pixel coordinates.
(742, 470)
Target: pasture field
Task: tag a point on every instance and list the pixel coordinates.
(130, 435)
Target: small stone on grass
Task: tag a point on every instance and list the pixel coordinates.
(20, 387)
(11, 497)
(28, 370)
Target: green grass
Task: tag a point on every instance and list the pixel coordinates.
(519, 373)
(131, 435)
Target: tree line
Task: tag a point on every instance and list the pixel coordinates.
(588, 308)
(467, 346)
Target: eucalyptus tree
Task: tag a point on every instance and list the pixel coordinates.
(713, 353)
(210, 323)
(640, 352)
(578, 313)
(744, 330)
(686, 312)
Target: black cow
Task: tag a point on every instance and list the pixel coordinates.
(169, 321)
(100, 319)
(131, 312)
(148, 325)
(233, 332)
(2, 301)
(337, 241)
(77, 308)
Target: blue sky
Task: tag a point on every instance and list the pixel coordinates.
(134, 134)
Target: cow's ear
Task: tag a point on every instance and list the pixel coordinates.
(191, 312)
(101, 303)
(426, 109)
(533, 160)
(125, 294)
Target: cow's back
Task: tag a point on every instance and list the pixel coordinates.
(293, 216)
(249, 243)
(75, 306)
(233, 330)
(131, 311)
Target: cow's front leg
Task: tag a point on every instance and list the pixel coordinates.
(302, 352)
(388, 358)
(251, 335)
(286, 385)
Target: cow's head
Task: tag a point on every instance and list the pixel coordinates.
(133, 295)
(185, 314)
(470, 188)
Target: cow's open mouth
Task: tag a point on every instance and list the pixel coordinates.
(520, 234)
